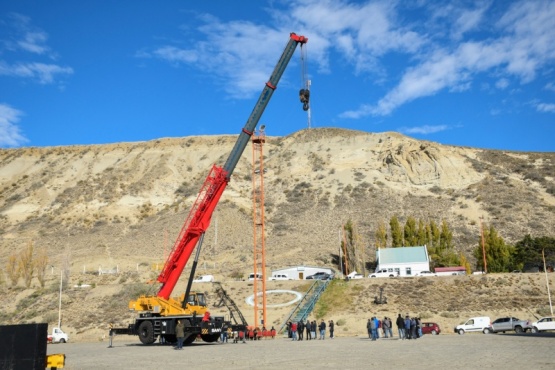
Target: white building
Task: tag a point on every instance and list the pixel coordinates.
(301, 272)
(403, 261)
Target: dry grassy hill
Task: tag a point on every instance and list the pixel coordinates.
(123, 204)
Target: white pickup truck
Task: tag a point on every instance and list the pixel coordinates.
(57, 336)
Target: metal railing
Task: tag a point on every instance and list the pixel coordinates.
(305, 306)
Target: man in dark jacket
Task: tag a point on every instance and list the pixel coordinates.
(300, 329)
(307, 328)
(180, 334)
(322, 328)
(401, 327)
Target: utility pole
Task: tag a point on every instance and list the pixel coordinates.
(547, 281)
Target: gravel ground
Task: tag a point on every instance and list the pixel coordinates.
(469, 351)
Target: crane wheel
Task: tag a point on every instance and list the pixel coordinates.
(210, 338)
(189, 338)
(146, 332)
(170, 339)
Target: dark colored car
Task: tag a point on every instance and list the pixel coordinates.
(430, 328)
(320, 276)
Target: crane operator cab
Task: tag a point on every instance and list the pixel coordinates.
(195, 302)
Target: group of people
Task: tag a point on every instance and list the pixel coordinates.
(295, 330)
(408, 328)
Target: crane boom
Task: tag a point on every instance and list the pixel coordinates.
(200, 214)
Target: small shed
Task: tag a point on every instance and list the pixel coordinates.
(301, 272)
(403, 261)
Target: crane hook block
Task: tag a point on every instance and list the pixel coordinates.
(304, 95)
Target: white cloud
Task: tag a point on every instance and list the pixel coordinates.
(424, 130)
(241, 54)
(546, 107)
(502, 84)
(176, 55)
(26, 37)
(468, 20)
(10, 135)
(524, 45)
(44, 73)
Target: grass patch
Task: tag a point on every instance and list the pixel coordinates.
(336, 298)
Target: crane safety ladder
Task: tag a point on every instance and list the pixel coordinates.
(306, 304)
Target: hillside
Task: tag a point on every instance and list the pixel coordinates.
(123, 204)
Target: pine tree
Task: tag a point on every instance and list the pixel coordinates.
(499, 256)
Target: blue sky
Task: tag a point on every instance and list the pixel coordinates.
(470, 73)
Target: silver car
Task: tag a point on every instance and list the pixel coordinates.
(504, 324)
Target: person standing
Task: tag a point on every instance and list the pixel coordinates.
(322, 328)
(289, 333)
(332, 328)
(369, 328)
(389, 327)
(419, 327)
(300, 329)
(385, 326)
(294, 330)
(374, 328)
(313, 329)
(400, 327)
(224, 333)
(180, 334)
(407, 327)
(307, 327)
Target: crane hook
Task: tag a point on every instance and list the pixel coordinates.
(304, 95)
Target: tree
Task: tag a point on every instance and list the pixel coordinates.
(445, 237)
(381, 235)
(396, 232)
(410, 232)
(528, 251)
(422, 235)
(465, 263)
(26, 264)
(12, 269)
(499, 256)
(354, 255)
(41, 263)
(434, 235)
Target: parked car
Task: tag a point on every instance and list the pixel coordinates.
(430, 328)
(355, 275)
(382, 273)
(320, 276)
(204, 279)
(425, 273)
(474, 324)
(504, 324)
(280, 277)
(258, 276)
(545, 323)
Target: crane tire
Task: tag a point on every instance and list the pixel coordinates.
(210, 338)
(146, 332)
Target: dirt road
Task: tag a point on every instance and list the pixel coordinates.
(469, 351)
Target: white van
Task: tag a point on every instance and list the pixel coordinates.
(204, 279)
(258, 276)
(482, 323)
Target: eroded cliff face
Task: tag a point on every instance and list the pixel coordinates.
(126, 202)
